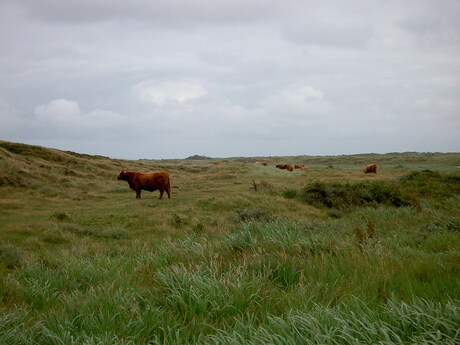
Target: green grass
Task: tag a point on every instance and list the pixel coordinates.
(237, 256)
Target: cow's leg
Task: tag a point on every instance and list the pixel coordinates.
(168, 190)
(138, 194)
(161, 193)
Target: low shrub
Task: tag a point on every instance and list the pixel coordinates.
(344, 195)
(290, 193)
(432, 184)
(176, 221)
(262, 186)
(61, 217)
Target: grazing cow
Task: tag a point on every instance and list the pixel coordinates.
(147, 181)
(371, 168)
(285, 166)
(298, 166)
(305, 168)
(262, 163)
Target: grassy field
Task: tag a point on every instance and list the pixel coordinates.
(241, 253)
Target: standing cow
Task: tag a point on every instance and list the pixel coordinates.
(371, 168)
(147, 181)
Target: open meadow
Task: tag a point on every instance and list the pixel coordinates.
(240, 254)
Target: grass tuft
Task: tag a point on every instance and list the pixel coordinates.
(61, 217)
(256, 214)
(290, 193)
(11, 255)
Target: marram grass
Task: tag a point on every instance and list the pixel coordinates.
(234, 257)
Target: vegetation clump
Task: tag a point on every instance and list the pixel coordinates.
(198, 158)
(290, 193)
(61, 217)
(11, 176)
(256, 214)
(399, 193)
(432, 184)
(345, 195)
(11, 255)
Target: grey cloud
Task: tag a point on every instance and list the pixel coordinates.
(329, 33)
(230, 78)
(177, 13)
(434, 21)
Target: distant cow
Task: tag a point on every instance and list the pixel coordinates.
(147, 181)
(285, 166)
(298, 166)
(371, 168)
(262, 163)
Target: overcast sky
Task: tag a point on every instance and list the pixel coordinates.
(173, 78)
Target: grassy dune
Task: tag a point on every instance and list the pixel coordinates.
(241, 254)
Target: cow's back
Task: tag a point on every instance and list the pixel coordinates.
(154, 180)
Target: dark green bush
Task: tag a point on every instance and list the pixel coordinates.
(403, 192)
(61, 217)
(345, 195)
(290, 193)
(432, 184)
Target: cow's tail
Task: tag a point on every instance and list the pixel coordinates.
(168, 188)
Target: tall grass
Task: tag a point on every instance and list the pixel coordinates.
(292, 282)
(224, 262)
(420, 322)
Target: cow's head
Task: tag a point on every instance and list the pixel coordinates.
(122, 175)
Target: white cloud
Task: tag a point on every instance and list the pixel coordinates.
(168, 92)
(67, 115)
(59, 111)
(298, 102)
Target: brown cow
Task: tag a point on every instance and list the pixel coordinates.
(147, 181)
(262, 163)
(298, 166)
(371, 168)
(285, 166)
